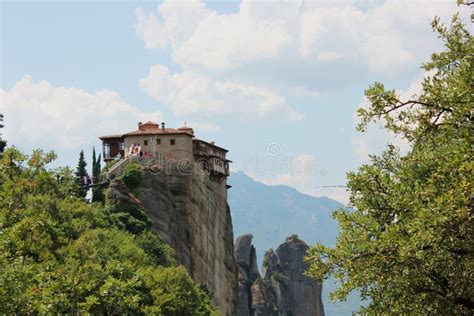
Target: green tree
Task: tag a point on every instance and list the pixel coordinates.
(94, 162)
(3, 143)
(81, 174)
(176, 295)
(61, 255)
(97, 191)
(408, 242)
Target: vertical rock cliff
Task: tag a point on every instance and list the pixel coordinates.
(246, 258)
(283, 289)
(190, 213)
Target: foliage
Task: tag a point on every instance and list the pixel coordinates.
(280, 277)
(124, 210)
(161, 253)
(109, 164)
(97, 191)
(175, 294)
(60, 255)
(3, 144)
(408, 243)
(132, 175)
(269, 260)
(81, 174)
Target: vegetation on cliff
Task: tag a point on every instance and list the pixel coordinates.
(408, 244)
(60, 255)
(132, 175)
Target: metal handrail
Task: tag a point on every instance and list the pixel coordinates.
(116, 166)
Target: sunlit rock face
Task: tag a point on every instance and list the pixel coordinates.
(189, 211)
(283, 289)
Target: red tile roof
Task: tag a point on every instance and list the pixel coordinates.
(160, 131)
(196, 140)
(152, 128)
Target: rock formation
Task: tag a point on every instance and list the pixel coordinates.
(246, 259)
(189, 211)
(283, 289)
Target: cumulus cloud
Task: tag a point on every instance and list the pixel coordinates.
(189, 93)
(40, 114)
(384, 37)
(200, 36)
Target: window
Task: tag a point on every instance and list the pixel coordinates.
(106, 150)
(145, 143)
(158, 141)
(122, 146)
(172, 142)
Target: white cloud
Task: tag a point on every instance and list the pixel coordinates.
(297, 172)
(226, 41)
(300, 172)
(150, 30)
(189, 93)
(329, 56)
(386, 37)
(204, 127)
(302, 91)
(39, 114)
(177, 20)
(376, 138)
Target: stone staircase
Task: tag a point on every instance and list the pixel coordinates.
(117, 168)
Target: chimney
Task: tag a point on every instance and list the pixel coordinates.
(139, 125)
(163, 126)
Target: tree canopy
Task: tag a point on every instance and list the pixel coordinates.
(407, 241)
(61, 255)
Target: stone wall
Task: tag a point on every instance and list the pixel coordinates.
(182, 149)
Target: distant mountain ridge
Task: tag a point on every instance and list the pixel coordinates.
(271, 213)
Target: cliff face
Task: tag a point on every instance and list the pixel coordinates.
(190, 213)
(246, 258)
(283, 289)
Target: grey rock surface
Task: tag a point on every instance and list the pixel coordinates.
(246, 259)
(299, 294)
(283, 289)
(189, 211)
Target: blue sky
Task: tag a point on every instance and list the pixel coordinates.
(276, 83)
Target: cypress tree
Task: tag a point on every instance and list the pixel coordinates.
(3, 142)
(80, 174)
(97, 192)
(98, 167)
(94, 163)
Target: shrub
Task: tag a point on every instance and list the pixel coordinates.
(132, 175)
(280, 277)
